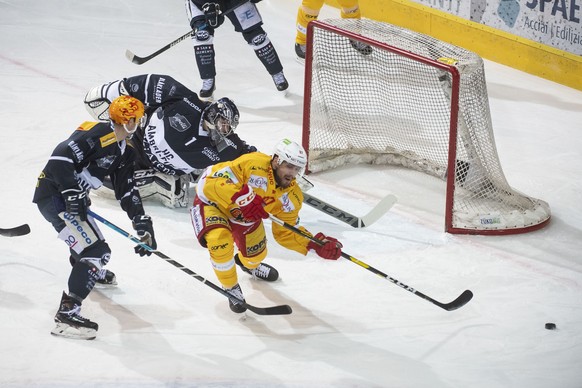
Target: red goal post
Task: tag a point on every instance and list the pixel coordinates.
(376, 93)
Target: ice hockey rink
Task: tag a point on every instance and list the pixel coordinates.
(349, 328)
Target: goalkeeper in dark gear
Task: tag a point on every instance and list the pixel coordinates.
(94, 151)
(205, 17)
(180, 139)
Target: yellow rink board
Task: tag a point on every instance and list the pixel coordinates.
(490, 43)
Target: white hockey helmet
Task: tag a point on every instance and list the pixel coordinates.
(290, 152)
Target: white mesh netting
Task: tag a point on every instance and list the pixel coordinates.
(379, 106)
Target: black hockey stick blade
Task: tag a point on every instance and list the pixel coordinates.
(16, 231)
(461, 300)
(274, 310)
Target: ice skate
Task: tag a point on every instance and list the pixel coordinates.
(263, 271)
(362, 48)
(235, 305)
(106, 279)
(70, 324)
(281, 82)
(208, 88)
(300, 53)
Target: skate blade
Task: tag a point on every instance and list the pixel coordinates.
(105, 285)
(68, 331)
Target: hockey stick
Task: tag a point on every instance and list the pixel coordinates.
(141, 60)
(16, 231)
(275, 310)
(357, 222)
(461, 300)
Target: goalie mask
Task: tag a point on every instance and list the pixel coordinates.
(125, 108)
(221, 119)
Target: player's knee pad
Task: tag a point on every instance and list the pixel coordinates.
(97, 255)
(256, 37)
(204, 34)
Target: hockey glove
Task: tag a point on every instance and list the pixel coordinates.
(76, 202)
(331, 248)
(213, 15)
(250, 204)
(144, 227)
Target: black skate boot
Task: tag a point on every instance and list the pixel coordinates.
(362, 48)
(300, 53)
(280, 82)
(106, 279)
(263, 271)
(70, 324)
(208, 88)
(235, 305)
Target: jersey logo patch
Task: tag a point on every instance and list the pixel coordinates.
(108, 139)
(225, 173)
(258, 182)
(179, 122)
(287, 203)
(105, 162)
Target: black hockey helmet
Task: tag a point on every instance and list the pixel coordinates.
(221, 118)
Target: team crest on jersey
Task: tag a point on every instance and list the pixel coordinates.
(106, 161)
(179, 122)
(258, 182)
(287, 203)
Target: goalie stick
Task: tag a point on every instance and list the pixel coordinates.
(141, 60)
(16, 231)
(357, 222)
(274, 310)
(461, 300)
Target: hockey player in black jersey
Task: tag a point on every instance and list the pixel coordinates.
(205, 16)
(182, 135)
(77, 165)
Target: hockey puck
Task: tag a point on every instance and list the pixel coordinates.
(550, 326)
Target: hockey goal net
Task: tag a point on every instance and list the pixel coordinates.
(380, 94)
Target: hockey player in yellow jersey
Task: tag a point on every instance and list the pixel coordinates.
(309, 11)
(232, 200)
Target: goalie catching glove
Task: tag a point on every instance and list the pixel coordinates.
(144, 227)
(330, 249)
(250, 204)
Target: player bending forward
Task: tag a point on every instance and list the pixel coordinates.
(77, 165)
(232, 200)
(182, 137)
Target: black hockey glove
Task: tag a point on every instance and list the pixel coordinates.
(144, 227)
(213, 15)
(76, 202)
